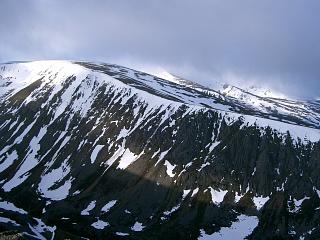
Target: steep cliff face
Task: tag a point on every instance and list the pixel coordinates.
(98, 150)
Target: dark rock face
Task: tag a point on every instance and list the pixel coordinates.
(165, 170)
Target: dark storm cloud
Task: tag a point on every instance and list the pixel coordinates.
(275, 43)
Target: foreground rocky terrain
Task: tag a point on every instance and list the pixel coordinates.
(92, 150)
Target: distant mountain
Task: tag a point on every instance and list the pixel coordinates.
(101, 151)
(225, 88)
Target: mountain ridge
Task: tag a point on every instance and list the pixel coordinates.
(206, 97)
(125, 155)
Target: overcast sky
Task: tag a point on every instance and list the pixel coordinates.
(271, 43)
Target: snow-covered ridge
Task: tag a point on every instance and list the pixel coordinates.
(302, 119)
(261, 99)
(16, 76)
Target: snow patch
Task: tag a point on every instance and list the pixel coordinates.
(8, 160)
(88, 208)
(28, 163)
(194, 192)
(127, 158)
(298, 203)
(162, 155)
(7, 220)
(53, 177)
(99, 224)
(237, 231)
(185, 193)
(95, 152)
(137, 227)
(11, 207)
(217, 195)
(108, 206)
(170, 168)
(260, 201)
(172, 210)
(122, 234)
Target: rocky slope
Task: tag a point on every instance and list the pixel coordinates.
(102, 151)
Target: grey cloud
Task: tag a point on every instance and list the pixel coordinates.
(271, 42)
